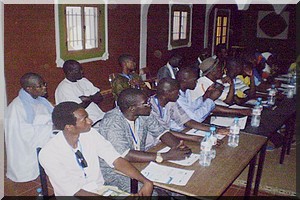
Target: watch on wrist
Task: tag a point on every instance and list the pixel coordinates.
(158, 158)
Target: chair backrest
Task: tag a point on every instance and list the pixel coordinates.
(43, 176)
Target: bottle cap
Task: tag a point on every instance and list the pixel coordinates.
(39, 190)
(259, 99)
(236, 119)
(212, 128)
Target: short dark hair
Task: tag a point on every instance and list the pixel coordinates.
(63, 114)
(166, 84)
(69, 65)
(28, 79)
(125, 57)
(182, 73)
(127, 98)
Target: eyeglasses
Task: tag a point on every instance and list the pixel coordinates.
(40, 86)
(146, 104)
(80, 159)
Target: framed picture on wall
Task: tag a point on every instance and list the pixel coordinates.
(271, 25)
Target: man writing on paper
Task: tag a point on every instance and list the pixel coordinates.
(127, 127)
(170, 114)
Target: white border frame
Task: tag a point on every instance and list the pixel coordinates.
(189, 44)
(59, 60)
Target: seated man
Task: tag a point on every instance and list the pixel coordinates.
(127, 127)
(28, 125)
(70, 159)
(171, 68)
(128, 78)
(204, 53)
(241, 72)
(169, 113)
(75, 87)
(200, 108)
(212, 74)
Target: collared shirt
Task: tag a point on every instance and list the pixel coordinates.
(66, 176)
(114, 127)
(71, 91)
(172, 116)
(167, 71)
(197, 109)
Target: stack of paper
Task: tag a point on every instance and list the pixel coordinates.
(167, 175)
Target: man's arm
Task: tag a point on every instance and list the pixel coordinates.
(125, 167)
(233, 111)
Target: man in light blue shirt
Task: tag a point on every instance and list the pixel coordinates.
(200, 108)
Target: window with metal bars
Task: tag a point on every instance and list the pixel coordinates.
(180, 26)
(82, 32)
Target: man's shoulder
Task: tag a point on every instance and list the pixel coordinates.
(113, 115)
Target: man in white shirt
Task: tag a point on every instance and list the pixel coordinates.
(28, 125)
(75, 87)
(70, 159)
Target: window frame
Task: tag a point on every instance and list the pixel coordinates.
(174, 44)
(86, 55)
(221, 12)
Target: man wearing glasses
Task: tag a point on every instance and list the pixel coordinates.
(28, 125)
(70, 159)
(127, 127)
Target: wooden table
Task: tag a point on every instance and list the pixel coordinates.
(224, 169)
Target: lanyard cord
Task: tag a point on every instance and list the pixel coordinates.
(159, 107)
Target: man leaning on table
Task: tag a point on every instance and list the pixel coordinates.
(170, 114)
(70, 159)
(199, 108)
(127, 127)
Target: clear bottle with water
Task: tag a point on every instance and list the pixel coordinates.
(256, 112)
(234, 133)
(205, 151)
(213, 138)
(272, 94)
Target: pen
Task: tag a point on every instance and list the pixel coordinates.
(274, 107)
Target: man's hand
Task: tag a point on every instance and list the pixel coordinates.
(179, 152)
(212, 93)
(146, 190)
(85, 98)
(248, 71)
(227, 79)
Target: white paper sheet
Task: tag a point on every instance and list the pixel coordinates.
(185, 162)
(202, 133)
(221, 103)
(168, 175)
(227, 121)
(238, 107)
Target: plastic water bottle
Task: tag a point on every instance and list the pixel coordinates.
(272, 93)
(205, 153)
(234, 132)
(256, 112)
(213, 138)
(39, 191)
(259, 99)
